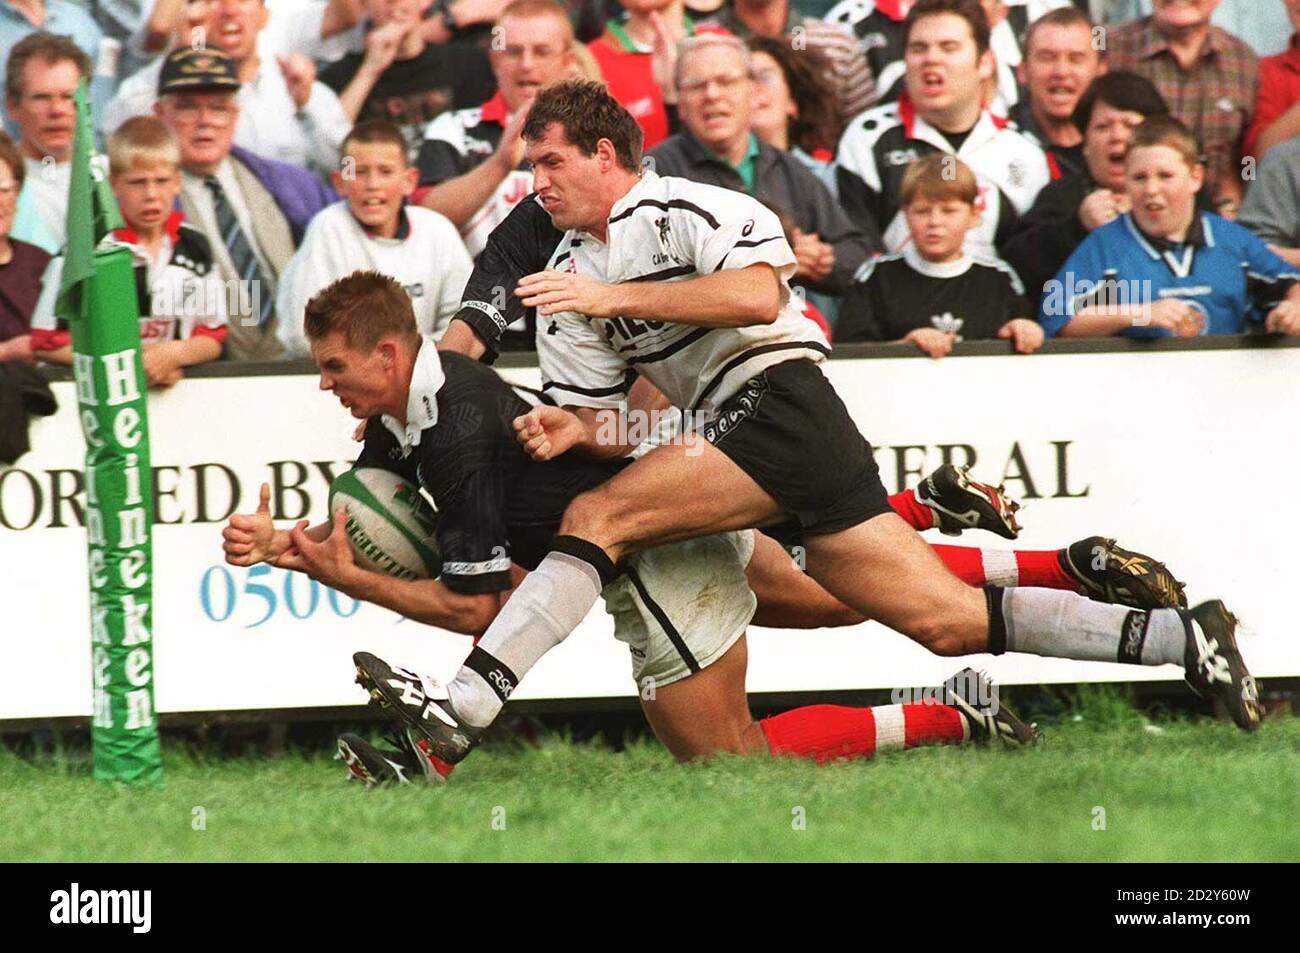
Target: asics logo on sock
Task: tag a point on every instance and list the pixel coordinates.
(502, 682)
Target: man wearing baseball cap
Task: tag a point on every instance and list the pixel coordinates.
(221, 184)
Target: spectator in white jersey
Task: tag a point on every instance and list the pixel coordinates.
(473, 158)
(374, 228)
(1062, 58)
(948, 60)
(934, 294)
(180, 296)
(879, 26)
(287, 114)
(717, 146)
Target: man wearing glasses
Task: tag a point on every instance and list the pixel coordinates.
(716, 88)
(220, 186)
(41, 78)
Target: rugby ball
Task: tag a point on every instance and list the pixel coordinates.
(389, 523)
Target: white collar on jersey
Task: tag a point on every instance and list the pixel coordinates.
(422, 404)
(934, 269)
(633, 195)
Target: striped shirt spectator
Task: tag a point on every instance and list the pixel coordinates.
(1214, 95)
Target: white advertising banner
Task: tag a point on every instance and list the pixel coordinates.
(1184, 455)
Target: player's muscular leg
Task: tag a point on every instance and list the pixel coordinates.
(675, 492)
(788, 597)
(885, 570)
(707, 713)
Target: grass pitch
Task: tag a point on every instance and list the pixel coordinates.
(1105, 785)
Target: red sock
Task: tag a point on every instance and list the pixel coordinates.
(1043, 569)
(1006, 567)
(914, 513)
(827, 732)
(964, 562)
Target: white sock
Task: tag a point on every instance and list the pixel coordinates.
(551, 602)
(1060, 624)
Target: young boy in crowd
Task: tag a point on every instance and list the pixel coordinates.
(21, 263)
(181, 297)
(373, 228)
(933, 294)
(1164, 267)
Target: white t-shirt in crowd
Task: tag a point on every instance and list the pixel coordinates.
(430, 261)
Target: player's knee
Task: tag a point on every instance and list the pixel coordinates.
(942, 634)
(593, 516)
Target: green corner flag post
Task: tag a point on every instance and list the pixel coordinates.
(98, 300)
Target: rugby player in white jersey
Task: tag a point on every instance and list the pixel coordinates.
(687, 284)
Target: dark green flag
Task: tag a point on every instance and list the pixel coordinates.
(98, 301)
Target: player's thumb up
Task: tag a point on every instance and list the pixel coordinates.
(264, 501)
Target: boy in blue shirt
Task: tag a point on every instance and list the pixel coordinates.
(1164, 268)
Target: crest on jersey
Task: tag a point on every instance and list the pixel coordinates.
(1016, 173)
(947, 323)
(662, 225)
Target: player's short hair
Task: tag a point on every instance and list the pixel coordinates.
(538, 8)
(587, 113)
(366, 307)
(11, 157)
(142, 140)
(969, 10)
(370, 132)
(939, 178)
(1122, 90)
(1166, 131)
(1061, 16)
(51, 48)
(693, 44)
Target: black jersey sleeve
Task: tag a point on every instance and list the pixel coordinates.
(471, 535)
(521, 245)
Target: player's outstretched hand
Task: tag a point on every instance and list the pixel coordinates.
(551, 292)
(546, 432)
(1025, 335)
(251, 538)
(330, 562)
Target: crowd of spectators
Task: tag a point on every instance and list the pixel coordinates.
(946, 170)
